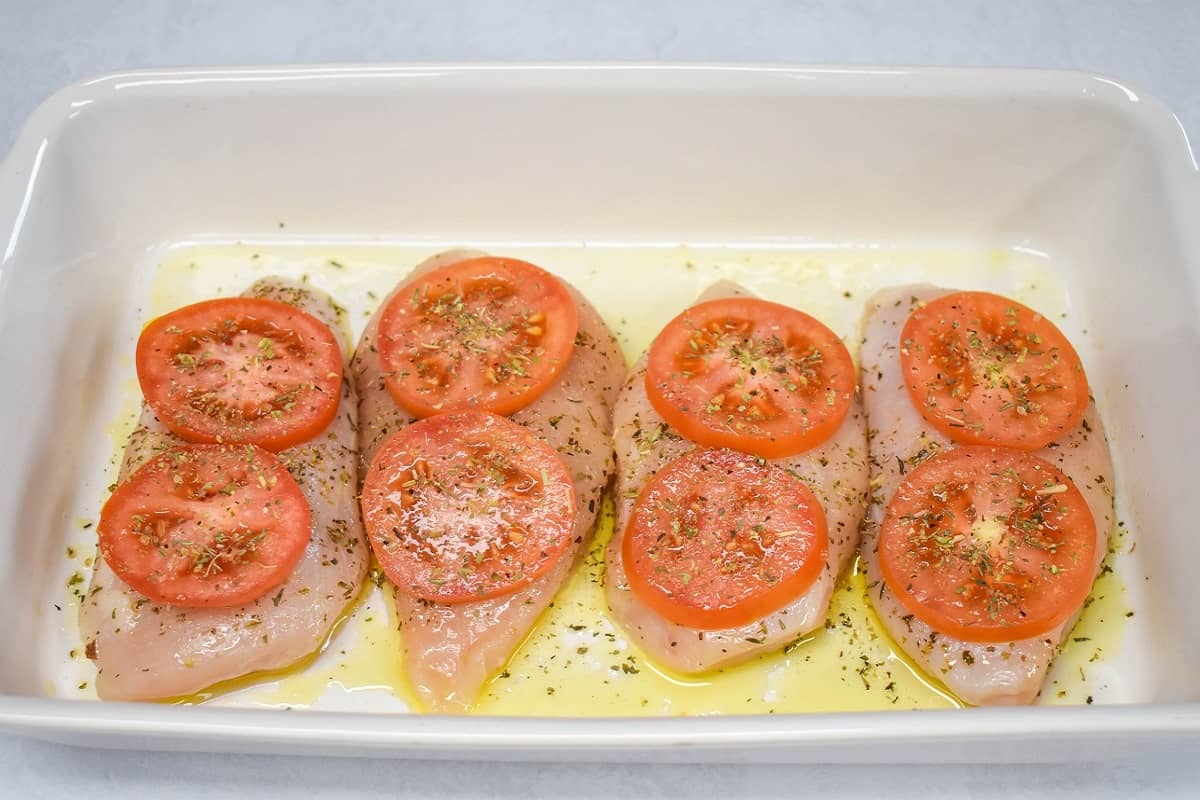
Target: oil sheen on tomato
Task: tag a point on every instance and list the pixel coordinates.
(576, 661)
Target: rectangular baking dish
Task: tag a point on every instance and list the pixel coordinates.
(1080, 169)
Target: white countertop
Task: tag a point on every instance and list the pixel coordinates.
(47, 43)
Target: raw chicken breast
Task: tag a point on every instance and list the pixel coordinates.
(144, 650)
(835, 471)
(451, 650)
(981, 674)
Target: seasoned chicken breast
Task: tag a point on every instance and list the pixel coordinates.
(145, 650)
(835, 471)
(450, 650)
(981, 674)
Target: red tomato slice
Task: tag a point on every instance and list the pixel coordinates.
(984, 369)
(487, 334)
(467, 506)
(241, 370)
(989, 545)
(750, 375)
(719, 539)
(206, 526)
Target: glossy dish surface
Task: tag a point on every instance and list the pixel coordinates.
(638, 275)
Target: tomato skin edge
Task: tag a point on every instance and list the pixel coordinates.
(963, 435)
(565, 315)
(713, 620)
(730, 617)
(696, 431)
(282, 569)
(983, 634)
(374, 514)
(286, 435)
(694, 427)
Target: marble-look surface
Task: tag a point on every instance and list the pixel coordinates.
(47, 43)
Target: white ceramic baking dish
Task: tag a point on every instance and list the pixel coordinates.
(1085, 171)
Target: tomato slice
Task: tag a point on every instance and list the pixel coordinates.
(467, 506)
(486, 334)
(989, 545)
(984, 369)
(206, 525)
(750, 375)
(719, 538)
(241, 370)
